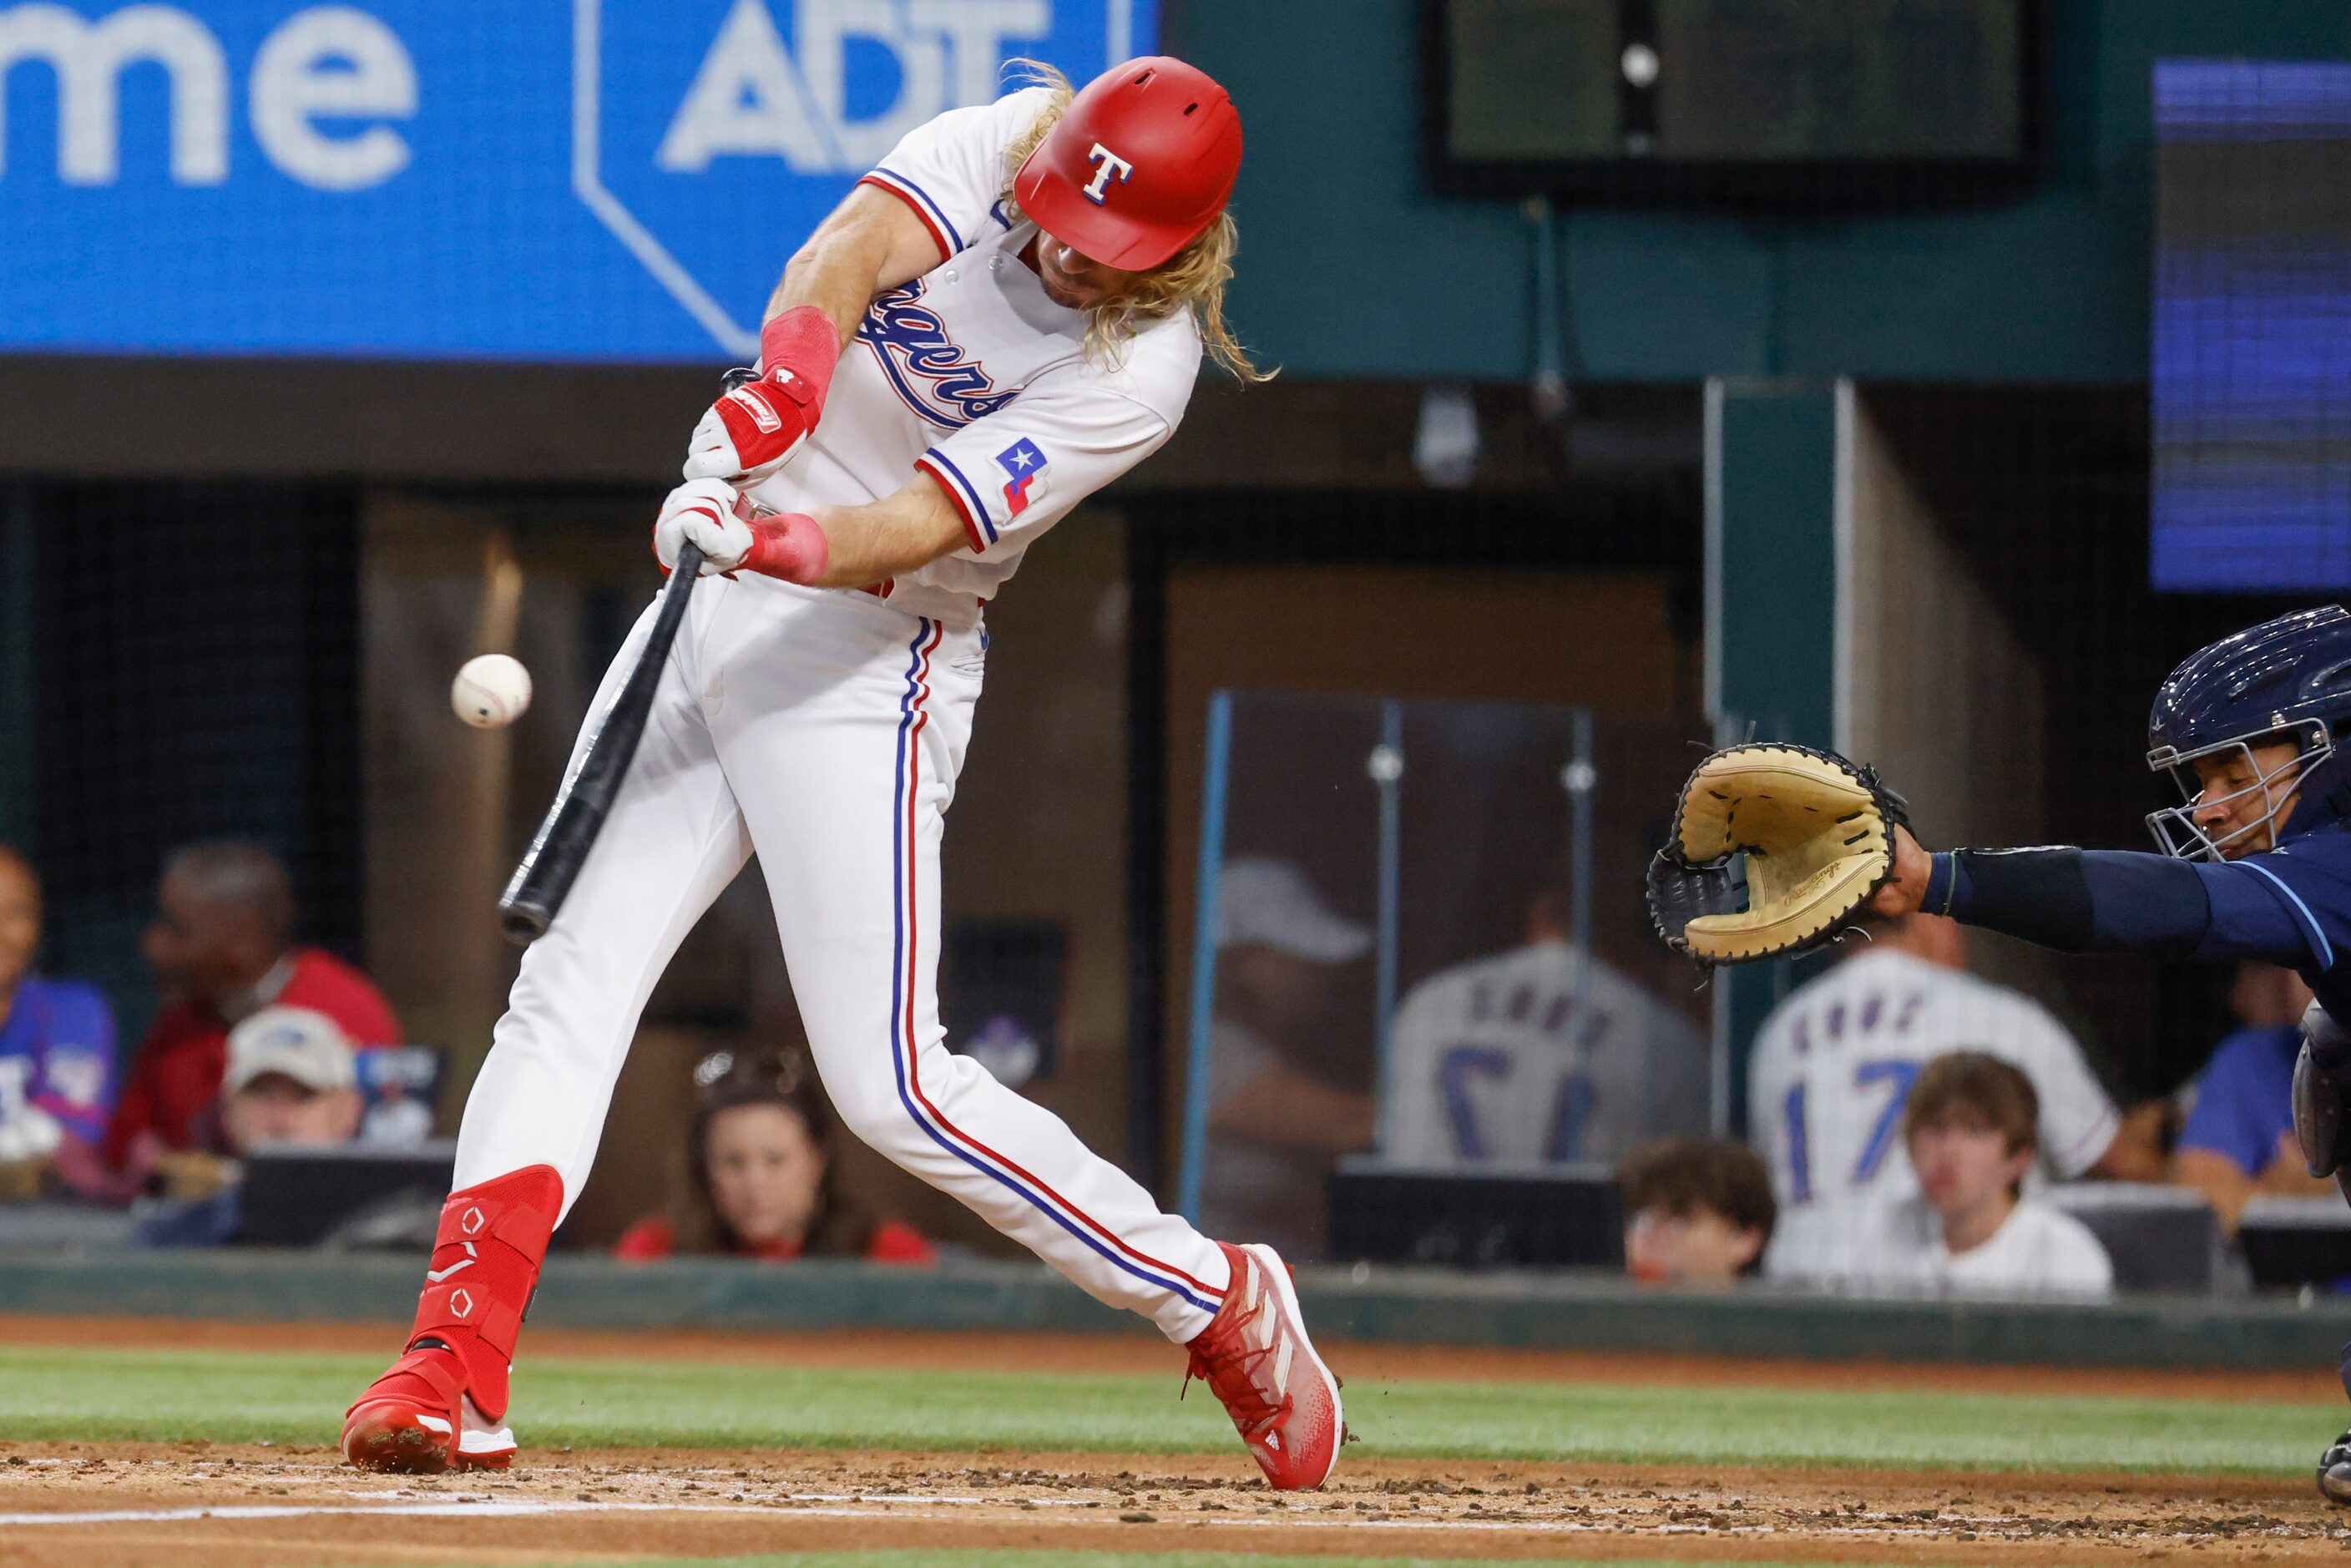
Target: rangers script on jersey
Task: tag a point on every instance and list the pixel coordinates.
(972, 374)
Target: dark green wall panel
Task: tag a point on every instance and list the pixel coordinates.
(1577, 1311)
(1350, 267)
(1771, 587)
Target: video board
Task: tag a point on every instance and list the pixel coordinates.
(2251, 375)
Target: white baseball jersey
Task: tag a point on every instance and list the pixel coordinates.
(2038, 1251)
(1532, 1058)
(1834, 1065)
(972, 375)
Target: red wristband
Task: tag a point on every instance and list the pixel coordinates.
(789, 546)
(803, 342)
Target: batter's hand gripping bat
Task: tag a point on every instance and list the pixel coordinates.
(552, 864)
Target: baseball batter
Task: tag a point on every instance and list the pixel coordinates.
(1005, 315)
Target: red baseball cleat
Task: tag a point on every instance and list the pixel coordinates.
(417, 1420)
(1255, 1356)
(442, 1405)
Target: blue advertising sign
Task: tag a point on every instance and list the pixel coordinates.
(470, 178)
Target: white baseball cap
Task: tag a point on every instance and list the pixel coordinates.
(295, 1042)
(1267, 903)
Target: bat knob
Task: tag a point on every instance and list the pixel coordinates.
(523, 923)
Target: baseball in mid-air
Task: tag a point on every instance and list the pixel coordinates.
(491, 692)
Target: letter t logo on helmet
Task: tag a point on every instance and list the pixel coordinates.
(1109, 166)
(1179, 150)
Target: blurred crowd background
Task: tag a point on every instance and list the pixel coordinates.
(1918, 378)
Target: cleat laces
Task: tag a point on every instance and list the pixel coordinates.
(1231, 1366)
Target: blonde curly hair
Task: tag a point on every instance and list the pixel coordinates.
(1193, 277)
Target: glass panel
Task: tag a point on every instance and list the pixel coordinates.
(1460, 881)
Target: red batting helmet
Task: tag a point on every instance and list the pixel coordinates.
(1140, 163)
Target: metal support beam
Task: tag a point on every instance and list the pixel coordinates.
(1774, 568)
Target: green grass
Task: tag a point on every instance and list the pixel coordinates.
(987, 1559)
(93, 1395)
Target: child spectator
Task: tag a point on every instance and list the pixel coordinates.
(1698, 1211)
(1971, 1131)
(2238, 1140)
(1835, 1063)
(756, 1176)
(56, 1041)
(222, 946)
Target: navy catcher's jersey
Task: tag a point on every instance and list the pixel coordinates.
(2292, 906)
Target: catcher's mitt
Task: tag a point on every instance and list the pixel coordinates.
(1775, 849)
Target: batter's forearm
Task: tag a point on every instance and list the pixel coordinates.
(871, 242)
(893, 537)
(836, 277)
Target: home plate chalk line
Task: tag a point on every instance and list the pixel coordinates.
(827, 1506)
(495, 1508)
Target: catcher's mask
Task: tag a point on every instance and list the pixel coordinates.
(2287, 679)
(2176, 831)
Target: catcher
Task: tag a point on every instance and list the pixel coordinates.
(2256, 863)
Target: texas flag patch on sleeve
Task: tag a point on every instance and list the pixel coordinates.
(1024, 468)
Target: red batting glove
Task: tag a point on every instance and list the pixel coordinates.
(753, 429)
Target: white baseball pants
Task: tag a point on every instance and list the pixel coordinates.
(825, 730)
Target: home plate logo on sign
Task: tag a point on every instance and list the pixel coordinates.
(700, 124)
(1024, 466)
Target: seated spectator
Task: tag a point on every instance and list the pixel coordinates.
(1970, 1133)
(57, 1044)
(221, 948)
(1541, 1055)
(291, 1081)
(1289, 1092)
(1698, 1211)
(756, 1182)
(292, 1078)
(1835, 1063)
(2239, 1141)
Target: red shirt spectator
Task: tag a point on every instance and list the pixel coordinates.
(222, 946)
(177, 1073)
(892, 1241)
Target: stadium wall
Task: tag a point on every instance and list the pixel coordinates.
(2052, 287)
(1937, 688)
(1565, 1312)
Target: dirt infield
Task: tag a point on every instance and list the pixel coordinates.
(202, 1506)
(77, 1506)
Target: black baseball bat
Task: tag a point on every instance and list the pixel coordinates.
(552, 864)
